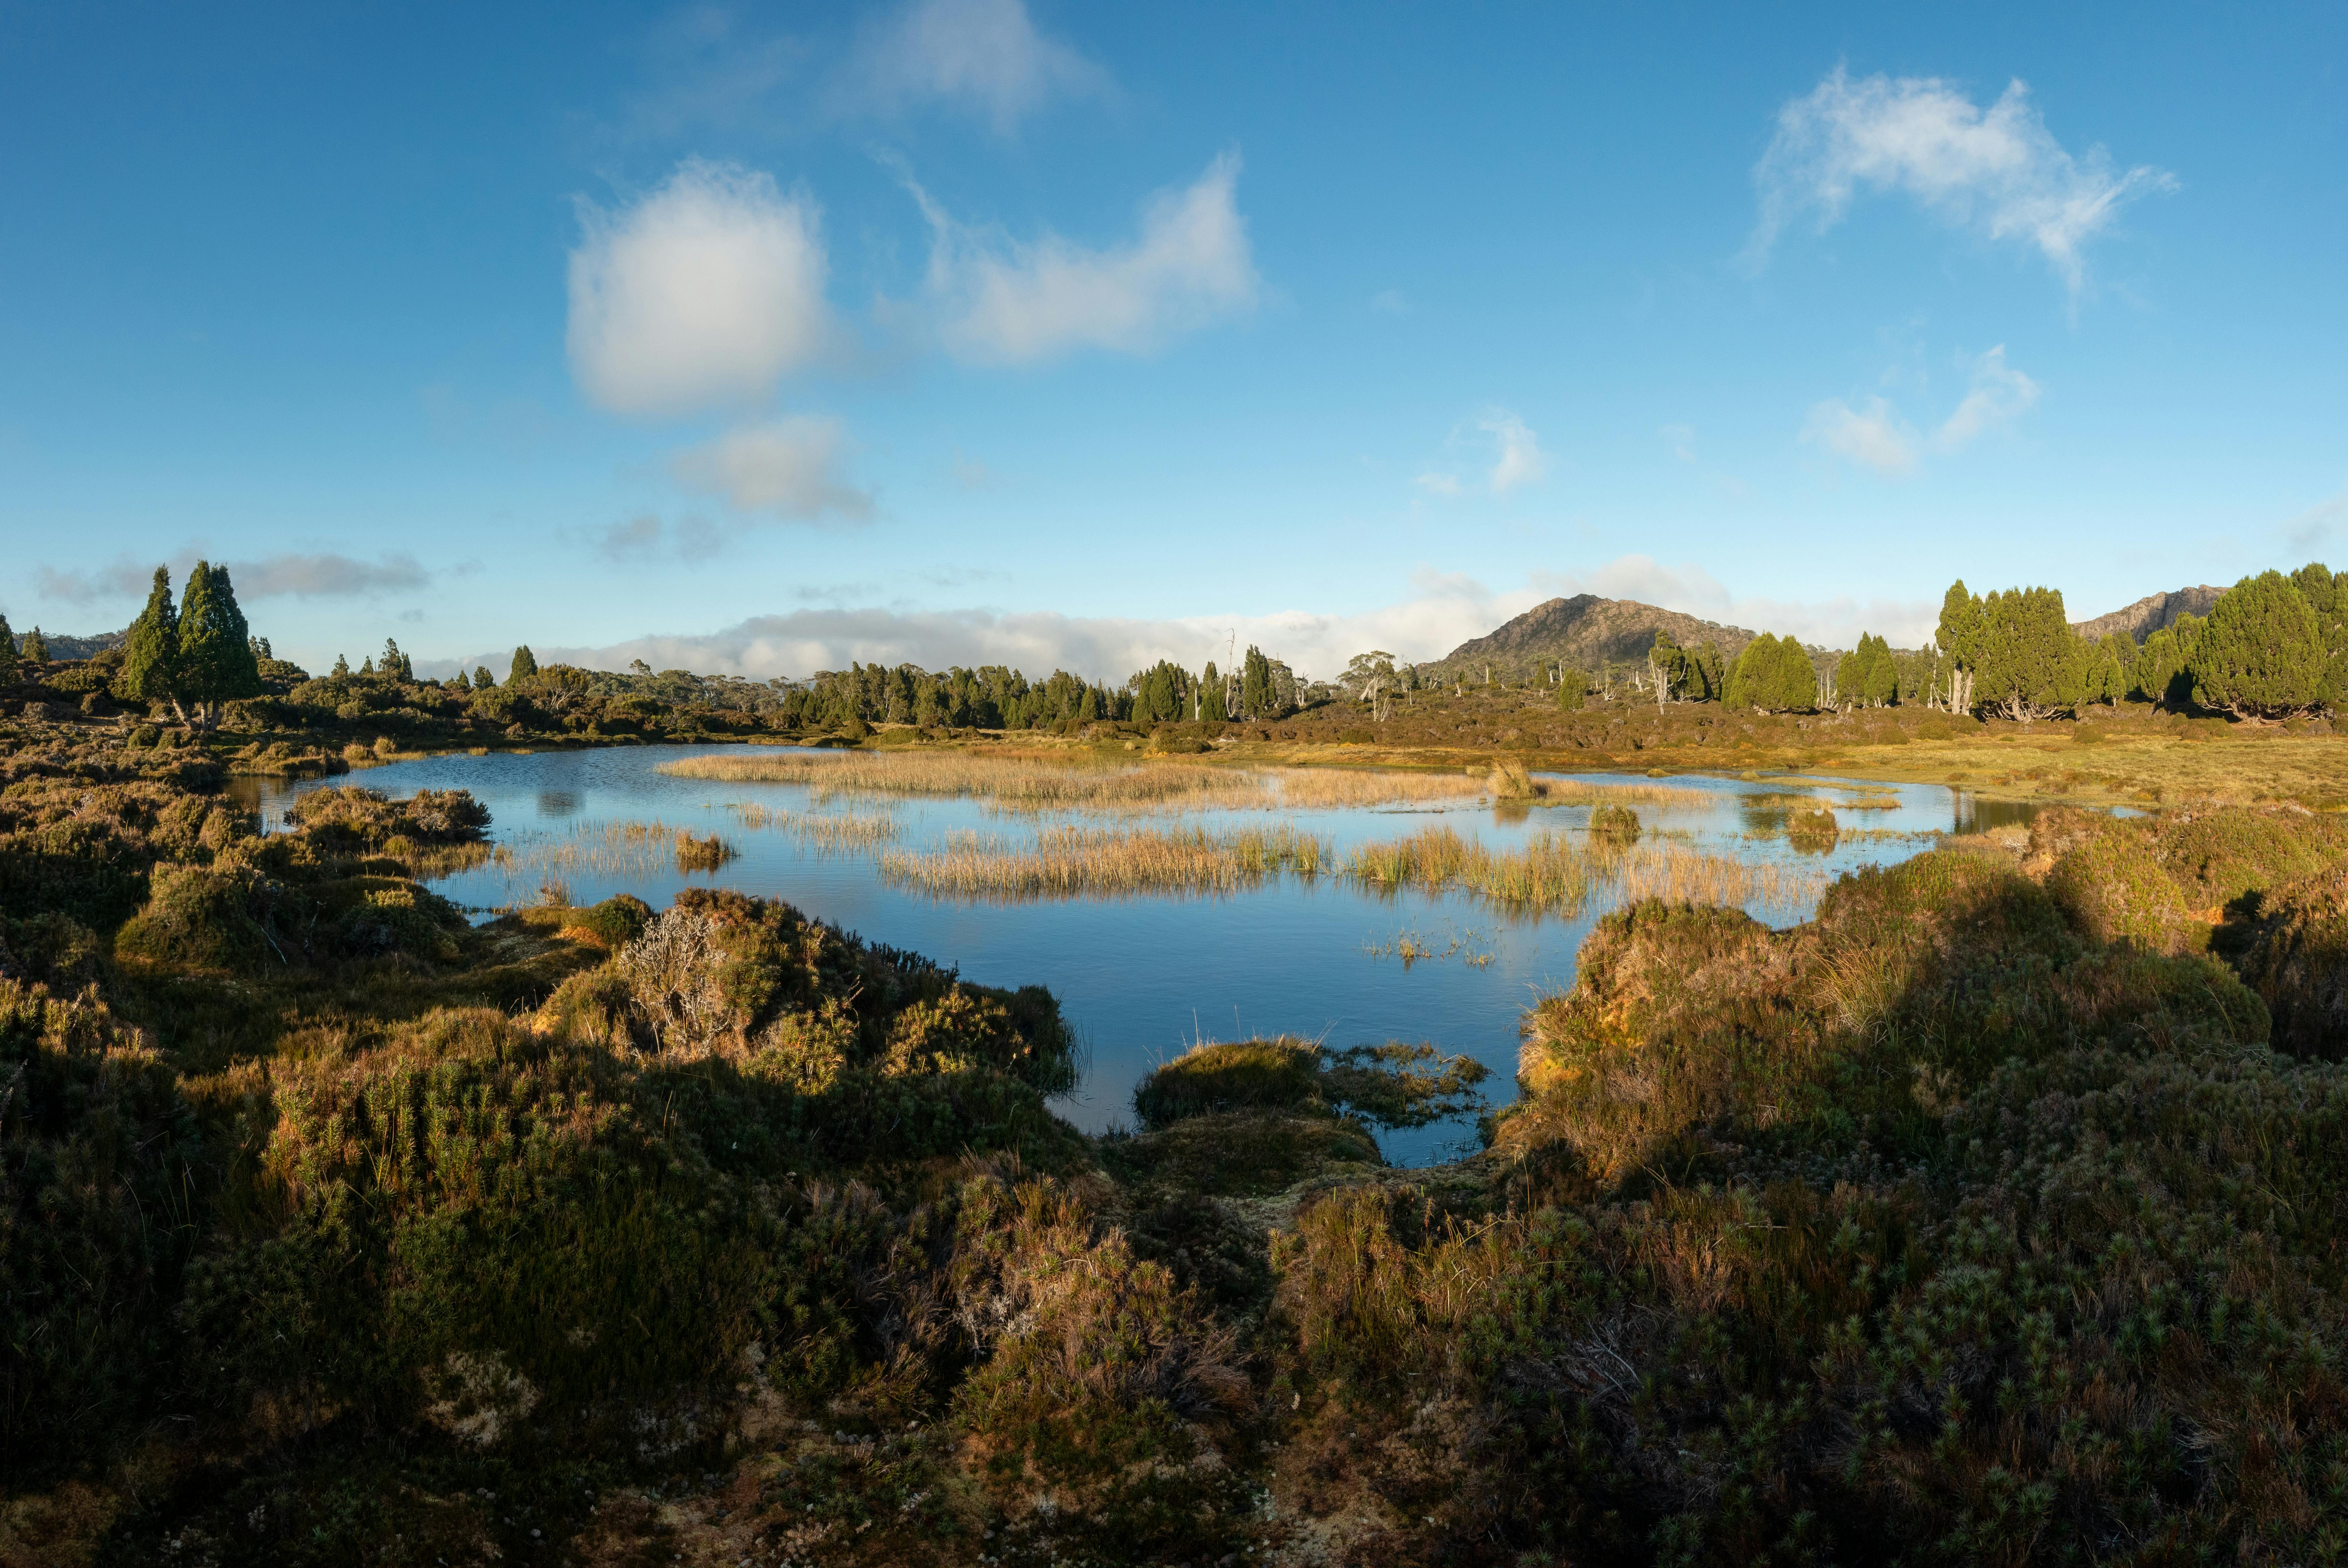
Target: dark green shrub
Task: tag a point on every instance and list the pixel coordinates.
(618, 920)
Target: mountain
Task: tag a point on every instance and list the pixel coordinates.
(2150, 613)
(1587, 633)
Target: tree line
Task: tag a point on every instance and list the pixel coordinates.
(2274, 646)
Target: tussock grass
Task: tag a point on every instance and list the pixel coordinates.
(1076, 863)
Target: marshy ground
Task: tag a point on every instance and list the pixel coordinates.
(1987, 1215)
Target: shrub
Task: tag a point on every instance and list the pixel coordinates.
(2298, 964)
(198, 919)
(2111, 887)
(1813, 832)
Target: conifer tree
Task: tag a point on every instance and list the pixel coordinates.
(482, 679)
(2028, 661)
(1959, 637)
(462, 681)
(1849, 679)
(2261, 654)
(2162, 673)
(1775, 675)
(151, 654)
(1210, 695)
(525, 665)
(37, 646)
(8, 652)
(341, 670)
(1879, 675)
(215, 662)
(1572, 690)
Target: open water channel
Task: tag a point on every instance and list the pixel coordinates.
(1142, 977)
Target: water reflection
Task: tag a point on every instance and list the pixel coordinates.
(1143, 974)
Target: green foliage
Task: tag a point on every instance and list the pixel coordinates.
(99, 1163)
(215, 661)
(1774, 675)
(2261, 654)
(2162, 671)
(1572, 691)
(1393, 1084)
(2110, 886)
(2028, 661)
(151, 655)
(8, 651)
(36, 647)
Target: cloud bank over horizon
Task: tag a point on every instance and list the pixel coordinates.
(1442, 612)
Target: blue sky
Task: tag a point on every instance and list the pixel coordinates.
(760, 338)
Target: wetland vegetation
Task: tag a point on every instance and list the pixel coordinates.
(1977, 1205)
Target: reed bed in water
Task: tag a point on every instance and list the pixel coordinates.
(828, 831)
(1018, 783)
(1075, 862)
(1551, 873)
(1052, 783)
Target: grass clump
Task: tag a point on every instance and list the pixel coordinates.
(1393, 1084)
(1614, 824)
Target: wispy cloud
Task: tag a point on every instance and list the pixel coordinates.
(1517, 458)
(1870, 435)
(1521, 461)
(319, 576)
(702, 294)
(2321, 523)
(1007, 302)
(984, 56)
(787, 468)
(1998, 171)
(1873, 436)
(2000, 396)
(1681, 439)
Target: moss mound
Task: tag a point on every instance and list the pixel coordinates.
(1616, 824)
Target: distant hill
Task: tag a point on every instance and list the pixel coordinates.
(1587, 633)
(64, 647)
(2150, 613)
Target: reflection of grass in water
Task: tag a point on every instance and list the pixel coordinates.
(1073, 863)
(828, 831)
(620, 850)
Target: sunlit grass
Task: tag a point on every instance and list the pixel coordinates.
(1017, 783)
(1076, 863)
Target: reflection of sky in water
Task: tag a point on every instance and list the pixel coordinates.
(1142, 977)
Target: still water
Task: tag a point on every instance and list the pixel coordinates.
(1143, 976)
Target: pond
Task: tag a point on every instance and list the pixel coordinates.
(1142, 975)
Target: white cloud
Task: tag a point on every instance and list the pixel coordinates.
(982, 56)
(1436, 483)
(702, 295)
(1875, 436)
(1872, 436)
(1006, 302)
(1521, 461)
(324, 575)
(1441, 613)
(1997, 171)
(788, 467)
(2000, 396)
